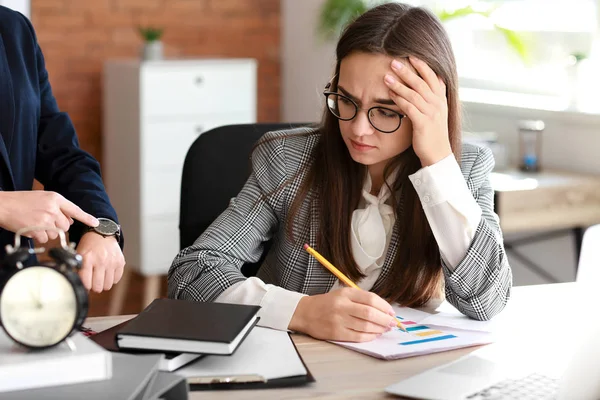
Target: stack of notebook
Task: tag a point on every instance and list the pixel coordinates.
(169, 361)
(189, 327)
(134, 378)
(182, 331)
(21, 368)
(200, 334)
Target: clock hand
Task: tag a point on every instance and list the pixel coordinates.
(40, 288)
(35, 298)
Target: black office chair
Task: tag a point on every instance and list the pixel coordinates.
(215, 169)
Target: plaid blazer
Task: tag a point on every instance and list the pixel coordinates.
(479, 286)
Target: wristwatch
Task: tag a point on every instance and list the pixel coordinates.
(107, 227)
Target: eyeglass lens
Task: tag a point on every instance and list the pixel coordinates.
(345, 109)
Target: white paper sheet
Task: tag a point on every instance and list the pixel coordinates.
(448, 316)
(265, 352)
(421, 339)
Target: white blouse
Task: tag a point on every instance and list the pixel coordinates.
(451, 211)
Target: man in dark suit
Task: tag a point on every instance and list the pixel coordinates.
(38, 141)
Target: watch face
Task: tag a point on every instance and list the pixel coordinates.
(106, 227)
(38, 307)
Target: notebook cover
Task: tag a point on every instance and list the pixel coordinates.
(288, 381)
(190, 320)
(107, 339)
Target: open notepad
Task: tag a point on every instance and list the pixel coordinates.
(426, 334)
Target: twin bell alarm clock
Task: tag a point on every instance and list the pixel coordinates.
(41, 304)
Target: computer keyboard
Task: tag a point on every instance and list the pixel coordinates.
(530, 387)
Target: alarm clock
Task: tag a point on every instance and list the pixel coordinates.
(42, 304)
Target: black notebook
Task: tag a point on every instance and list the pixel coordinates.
(168, 363)
(169, 325)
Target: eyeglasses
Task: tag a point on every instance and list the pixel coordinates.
(344, 108)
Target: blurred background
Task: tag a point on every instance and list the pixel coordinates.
(142, 79)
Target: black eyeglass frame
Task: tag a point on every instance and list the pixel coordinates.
(328, 93)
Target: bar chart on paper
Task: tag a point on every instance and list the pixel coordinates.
(418, 340)
(419, 334)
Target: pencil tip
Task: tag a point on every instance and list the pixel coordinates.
(305, 246)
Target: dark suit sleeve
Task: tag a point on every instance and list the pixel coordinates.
(61, 165)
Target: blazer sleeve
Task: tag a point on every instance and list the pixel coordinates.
(480, 284)
(61, 165)
(213, 263)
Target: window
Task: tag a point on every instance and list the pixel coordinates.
(553, 32)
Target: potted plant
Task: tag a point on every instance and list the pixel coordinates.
(153, 47)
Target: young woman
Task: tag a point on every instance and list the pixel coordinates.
(383, 189)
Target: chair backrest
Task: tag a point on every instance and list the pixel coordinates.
(216, 167)
(588, 270)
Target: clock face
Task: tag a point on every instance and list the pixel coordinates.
(38, 306)
(107, 227)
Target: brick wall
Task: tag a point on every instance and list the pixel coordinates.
(78, 35)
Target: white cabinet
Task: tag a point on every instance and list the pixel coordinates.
(153, 112)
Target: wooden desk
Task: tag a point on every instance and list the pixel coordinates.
(546, 201)
(556, 203)
(343, 374)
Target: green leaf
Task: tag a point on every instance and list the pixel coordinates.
(445, 15)
(579, 56)
(336, 14)
(150, 34)
(515, 41)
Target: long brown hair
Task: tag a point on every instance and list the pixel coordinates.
(395, 30)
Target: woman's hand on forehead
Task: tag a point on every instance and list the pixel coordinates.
(421, 95)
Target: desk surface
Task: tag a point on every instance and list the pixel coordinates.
(341, 373)
(549, 200)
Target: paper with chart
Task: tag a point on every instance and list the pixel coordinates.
(420, 339)
(448, 316)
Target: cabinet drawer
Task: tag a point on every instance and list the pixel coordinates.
(161, 192)
(160, 238)
(165, 143)
(192, 89)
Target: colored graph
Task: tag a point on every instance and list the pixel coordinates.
(422, 331)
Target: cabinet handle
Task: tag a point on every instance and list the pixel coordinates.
(199, 80)
(199, 130)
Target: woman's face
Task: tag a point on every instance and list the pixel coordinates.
(361, 78)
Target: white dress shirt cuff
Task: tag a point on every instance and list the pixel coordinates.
(439, 182)
(277, 304)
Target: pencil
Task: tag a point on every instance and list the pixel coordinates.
(340, 275)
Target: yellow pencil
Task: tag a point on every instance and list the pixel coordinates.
(339, 274)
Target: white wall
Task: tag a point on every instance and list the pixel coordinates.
(23, 6)
(307, 62)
